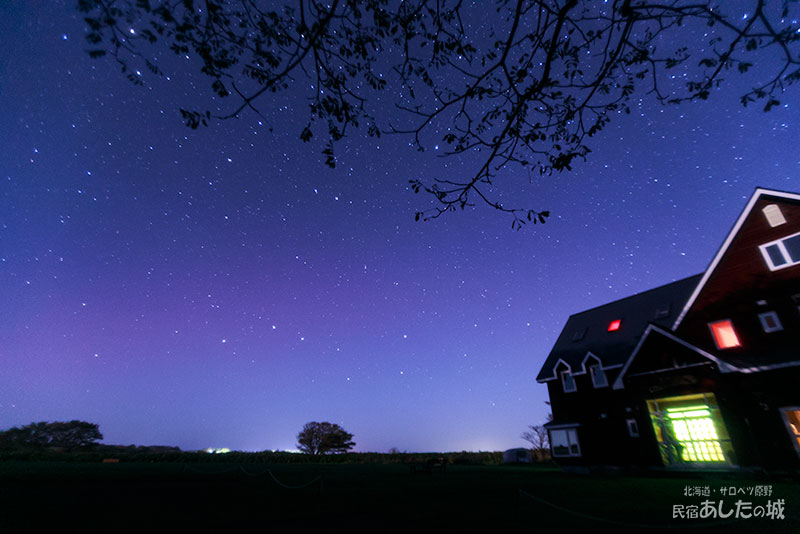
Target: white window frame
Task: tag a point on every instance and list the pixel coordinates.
(784, 252)
(564, 382)
(633, 427)
(597, 367)
(774, 215)
(577, 443)
(763, 318)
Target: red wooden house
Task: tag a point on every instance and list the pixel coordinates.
(702, 372)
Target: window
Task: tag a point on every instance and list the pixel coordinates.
(770, 322)
(564, 442)
(724, 335)
(791, 418)
(662, 312)
(690, 430)
(773, 215)
(579, 334)
(633, 428)
(614, 325)
(569, 381)
(782, 253)
(598, 376)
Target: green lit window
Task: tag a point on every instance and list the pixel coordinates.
(690, 430)
(694, 430)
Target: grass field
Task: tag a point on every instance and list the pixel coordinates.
(229, 497)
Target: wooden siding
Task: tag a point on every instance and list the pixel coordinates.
(740, 280)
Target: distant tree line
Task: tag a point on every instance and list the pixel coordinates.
(70, 435)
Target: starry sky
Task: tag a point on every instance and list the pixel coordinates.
(222, 287)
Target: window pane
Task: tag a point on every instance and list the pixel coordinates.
(558, 438)
(598, 376)
(793, 247)
(573, 441)
(724, 334)
(689, 429)
(633, 428)
(775, 255)
(573, 435)
(569, 381)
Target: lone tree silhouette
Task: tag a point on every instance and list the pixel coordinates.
(538, 437)
(324, 438)
(524, 82)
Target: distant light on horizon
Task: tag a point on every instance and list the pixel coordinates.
(223, 450)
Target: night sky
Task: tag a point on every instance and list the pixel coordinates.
(222, 287)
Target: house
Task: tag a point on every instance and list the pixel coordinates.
(701, 372)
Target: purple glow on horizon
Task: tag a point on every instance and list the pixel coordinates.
(222, 287)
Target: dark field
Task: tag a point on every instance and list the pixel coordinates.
(251, 497)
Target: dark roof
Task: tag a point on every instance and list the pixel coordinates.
(614, 348)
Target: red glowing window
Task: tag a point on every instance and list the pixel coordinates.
(724, 334)
(613, 326)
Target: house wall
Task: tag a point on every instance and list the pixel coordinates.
(740, 280)
(602, 413)
(749, 405)
(754, 401)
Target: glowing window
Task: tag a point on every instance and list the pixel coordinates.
(613, 326)
(791, 417)
(694, 429)
(724, 334)
(689, 430)
(774, 215)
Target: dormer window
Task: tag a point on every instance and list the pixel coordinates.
(568, 381)
(614, 325)
(724, 335)
(773, 215)
(770, 322)
(598, 376)
(782, 253)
